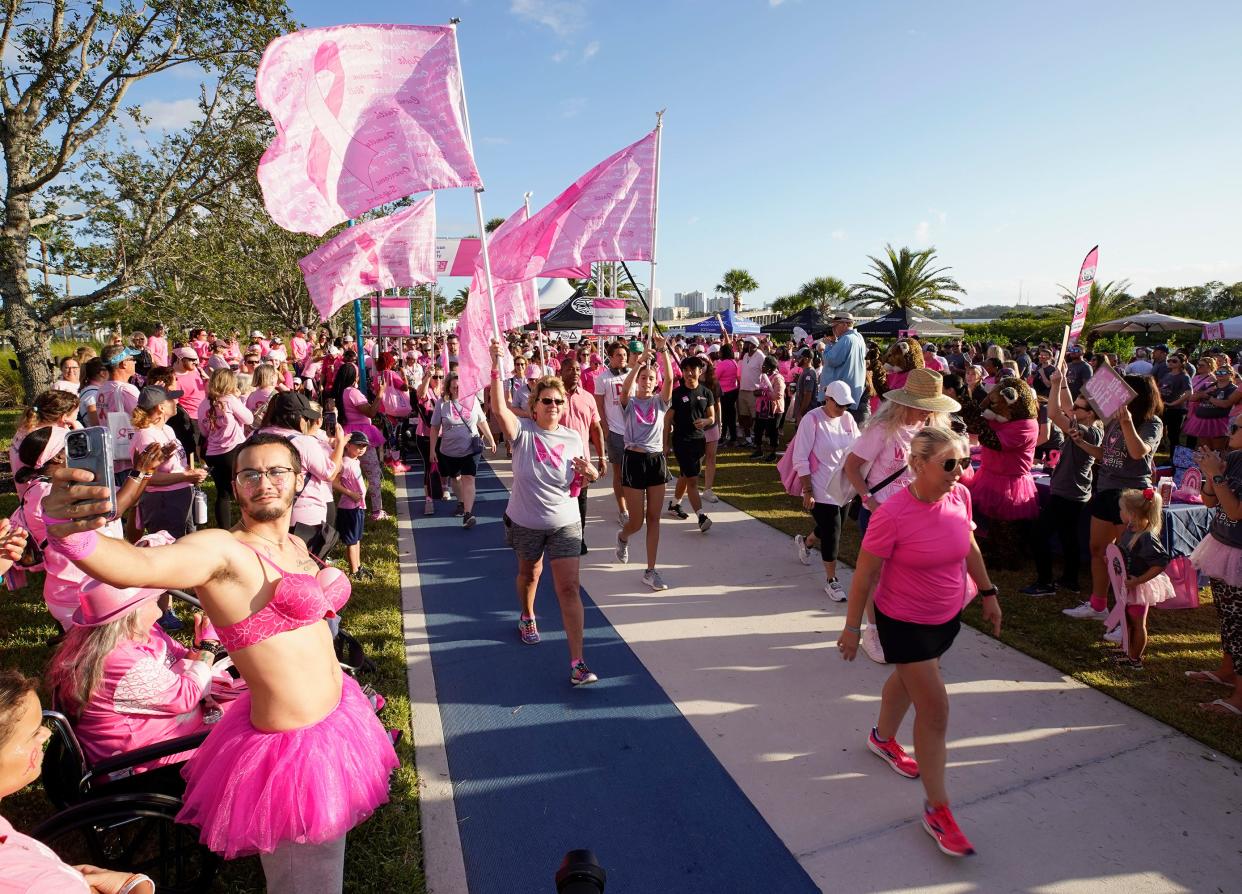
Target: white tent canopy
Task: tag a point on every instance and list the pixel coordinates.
(554, 293)
(1147, 321)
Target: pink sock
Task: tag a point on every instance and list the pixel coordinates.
(573, 662)
(1099, 603)
(528, 617)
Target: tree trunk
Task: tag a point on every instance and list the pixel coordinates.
(737, 304)
(30, 335)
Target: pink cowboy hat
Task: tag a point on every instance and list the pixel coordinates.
(102, 603)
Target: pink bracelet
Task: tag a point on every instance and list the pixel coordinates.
(75, 546)
(495, 375)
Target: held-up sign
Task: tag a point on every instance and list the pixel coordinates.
(1107, 392)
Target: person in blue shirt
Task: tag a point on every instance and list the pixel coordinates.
(845, 361)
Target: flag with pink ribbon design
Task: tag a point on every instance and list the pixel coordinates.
(606, 215)
(364, 114)
(390, 252)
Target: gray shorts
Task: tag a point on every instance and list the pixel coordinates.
(559, 543)
(746, 403)
(616, 448)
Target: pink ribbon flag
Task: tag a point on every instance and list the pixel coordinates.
(1082, 297)
(390, 252)
(364, 114)
(606, 215)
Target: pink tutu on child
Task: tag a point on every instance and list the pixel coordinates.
(1006, 499)
(1155, 591)
(249, 791)
(1218, 561)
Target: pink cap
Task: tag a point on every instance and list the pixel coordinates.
(102, 603)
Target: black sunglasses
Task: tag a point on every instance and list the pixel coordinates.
(549, 401)
(950, 464)
(1078, 406)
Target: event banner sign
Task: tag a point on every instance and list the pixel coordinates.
(1213, 331)
(1107, 392)
(1082, 296)
(390, 315)
(456, 257)
(608, 317)
(386, 253)
(365, 115)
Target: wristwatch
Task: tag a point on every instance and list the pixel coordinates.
(1218, 479)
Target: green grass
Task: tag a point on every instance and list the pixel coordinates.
(1179, 640)
(385, 852)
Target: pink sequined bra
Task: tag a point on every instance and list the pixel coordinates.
(299, 600)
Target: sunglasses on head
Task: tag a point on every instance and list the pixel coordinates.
(950, 464)
(550, 401)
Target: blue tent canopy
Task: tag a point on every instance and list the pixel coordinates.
(733, 324)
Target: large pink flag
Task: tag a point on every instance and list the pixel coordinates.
(365, 114)
(390, 252)
(606, 215)
(1082, 296)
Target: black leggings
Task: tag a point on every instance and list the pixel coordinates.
(828, 529)
(766, 427)
(728, 410)
(221, 467)
(1060, 517)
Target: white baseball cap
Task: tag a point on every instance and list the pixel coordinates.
(840, 393)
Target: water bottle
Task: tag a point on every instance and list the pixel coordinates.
(200, 507)
(575, 486)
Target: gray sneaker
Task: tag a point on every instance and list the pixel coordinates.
(623, 550)
(652, 579)
(835, 591)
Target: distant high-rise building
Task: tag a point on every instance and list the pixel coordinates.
(718, 304)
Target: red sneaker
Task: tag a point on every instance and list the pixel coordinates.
(894, 755)
(941, 826)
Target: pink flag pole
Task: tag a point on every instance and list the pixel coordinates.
(655, 219)
(538, 316)
(478, 194)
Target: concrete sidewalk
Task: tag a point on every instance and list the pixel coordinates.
(1059, 787)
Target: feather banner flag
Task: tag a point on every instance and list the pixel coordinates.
(606, 215)
(1082, 295)
(397, 251)
(365, 115)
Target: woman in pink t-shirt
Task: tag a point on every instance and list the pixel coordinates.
(355, 413)
(920, 555)
(223, 420)
(165, 506)
(728, 376)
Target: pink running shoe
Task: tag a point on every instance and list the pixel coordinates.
(528, 631)
(941, 826)
(894, 755)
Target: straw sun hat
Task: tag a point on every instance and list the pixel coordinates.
(924, 391)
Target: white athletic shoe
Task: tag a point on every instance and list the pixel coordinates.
(871, 644)
(710, 497)
(835, 591)
(1084, 611)
(804, 554)
(623, 517)
(623, 550)
(652, 579)
(1114, 635)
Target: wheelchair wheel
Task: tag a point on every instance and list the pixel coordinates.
(133, 833)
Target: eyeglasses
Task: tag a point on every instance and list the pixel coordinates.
(278, 475)
(1234, 427)
(550, 401)
(951, 464)
(436, 378)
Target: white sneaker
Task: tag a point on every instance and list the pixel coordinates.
(623, 517)
(623, 550)
(871, 644)
(804, 554)
(652, 579)
(710, 497)
(1084, 611)
(835, 591)
(1114, 635)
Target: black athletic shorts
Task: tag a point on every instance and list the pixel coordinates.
(689, 455)
(643, 470)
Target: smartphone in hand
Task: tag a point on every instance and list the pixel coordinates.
(91, 449)
(329, 422)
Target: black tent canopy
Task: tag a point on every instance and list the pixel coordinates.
(811, 318)
(574, 313)
(903, 320)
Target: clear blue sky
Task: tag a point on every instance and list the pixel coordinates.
(802, 135)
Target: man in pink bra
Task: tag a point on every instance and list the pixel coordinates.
(301, 758)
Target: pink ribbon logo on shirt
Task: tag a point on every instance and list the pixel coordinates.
(553, 456)
(649, 418)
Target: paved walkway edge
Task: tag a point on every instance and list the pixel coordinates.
(444, 868)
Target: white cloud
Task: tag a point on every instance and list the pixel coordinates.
(562, 16)
(560, 55)
(172, 115)
(839, 235)
(922, 233)
(590, 50)
(573, 106)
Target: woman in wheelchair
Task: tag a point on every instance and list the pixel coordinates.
(26, 866)
(125, 684)
(301, 758)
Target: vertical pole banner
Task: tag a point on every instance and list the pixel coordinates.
(1082, 296)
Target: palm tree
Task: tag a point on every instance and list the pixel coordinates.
(736, 283)
(907, 280)
(824, 293)
(494, 224)
(1108, 301)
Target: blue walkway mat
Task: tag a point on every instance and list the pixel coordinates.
(540, 768)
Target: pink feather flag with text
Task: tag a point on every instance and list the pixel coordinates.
(365, 115)
(608, 214)
(397, 251)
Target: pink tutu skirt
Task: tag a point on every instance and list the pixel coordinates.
(1004, 498)
(249, 791)
(1218, 561)
(1154, 592)
(1205, 428)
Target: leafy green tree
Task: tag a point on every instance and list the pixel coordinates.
(907, 280)
(66, 66)
(736, 283)
(1109, 301)
(494, 224)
